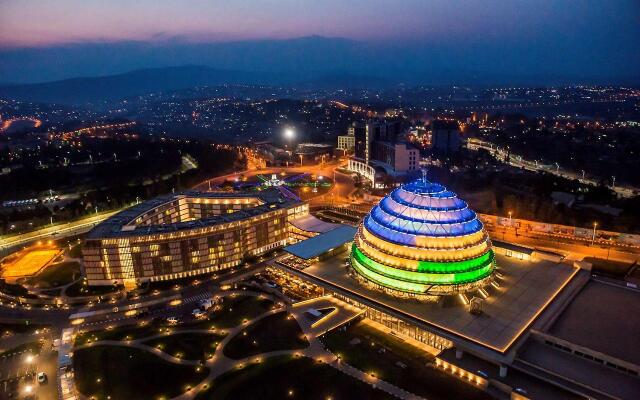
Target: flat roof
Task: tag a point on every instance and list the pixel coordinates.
(526, 288)
(322, 243)
(309, 223)
(272, 199)
(605, 318)
(578, 369)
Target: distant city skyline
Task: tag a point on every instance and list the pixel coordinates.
(87, 38)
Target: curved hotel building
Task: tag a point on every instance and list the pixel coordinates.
(187, 234)
(421, 241)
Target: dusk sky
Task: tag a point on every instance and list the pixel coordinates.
(517, 31)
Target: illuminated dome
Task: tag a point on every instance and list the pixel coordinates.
(422, 240)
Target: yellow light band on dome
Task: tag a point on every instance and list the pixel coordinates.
(407, 257)
(424, 265)
(426, 242)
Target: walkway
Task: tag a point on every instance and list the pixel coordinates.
(220, 364)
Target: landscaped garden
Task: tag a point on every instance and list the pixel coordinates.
(188, 346)
(397, 362)
(124, 333)
(237, 309)
(279, 331)
(286, 377)
(56, 275)
(116, 372)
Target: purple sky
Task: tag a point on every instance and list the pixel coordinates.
(46, 22)
(56, 39)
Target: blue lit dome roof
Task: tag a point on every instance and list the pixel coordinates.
(422, 238)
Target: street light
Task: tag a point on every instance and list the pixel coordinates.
(510, 221)
(593, 239)
(289, 133)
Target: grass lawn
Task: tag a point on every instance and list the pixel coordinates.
(379, 353)
(236, 309)
(126, 332)
(616, 269)
(56, 275)
(128, 373)
(275, 332)
(274, 378)
(189, 346)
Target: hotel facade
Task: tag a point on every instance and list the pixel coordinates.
(187, 234)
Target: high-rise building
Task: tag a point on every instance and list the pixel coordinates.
(445, 136)
(401, 157)
(347, 142)
(361, 145)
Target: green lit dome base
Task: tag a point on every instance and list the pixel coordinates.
(422, 241)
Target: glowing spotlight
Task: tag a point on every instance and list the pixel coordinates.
(289, 133)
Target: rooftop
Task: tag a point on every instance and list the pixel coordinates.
(309, 223)
(527, 287)
(112, 227)
(322, 243)
(605, 318)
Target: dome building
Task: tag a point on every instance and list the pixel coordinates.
(422, 241)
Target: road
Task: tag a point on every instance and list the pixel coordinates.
(574, 250)
(502, 154)
(339, 192)
(54, 231)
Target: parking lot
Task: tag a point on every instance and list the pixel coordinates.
(19, 368)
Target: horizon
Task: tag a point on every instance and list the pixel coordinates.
(411, 41)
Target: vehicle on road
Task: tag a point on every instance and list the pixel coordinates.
(173, 320)
(205, 304)
(198, 313)
(42, 378)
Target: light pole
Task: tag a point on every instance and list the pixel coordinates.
(593, 239)
(614, 182)
(583, 175)
(301, 160)
(510, 220)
